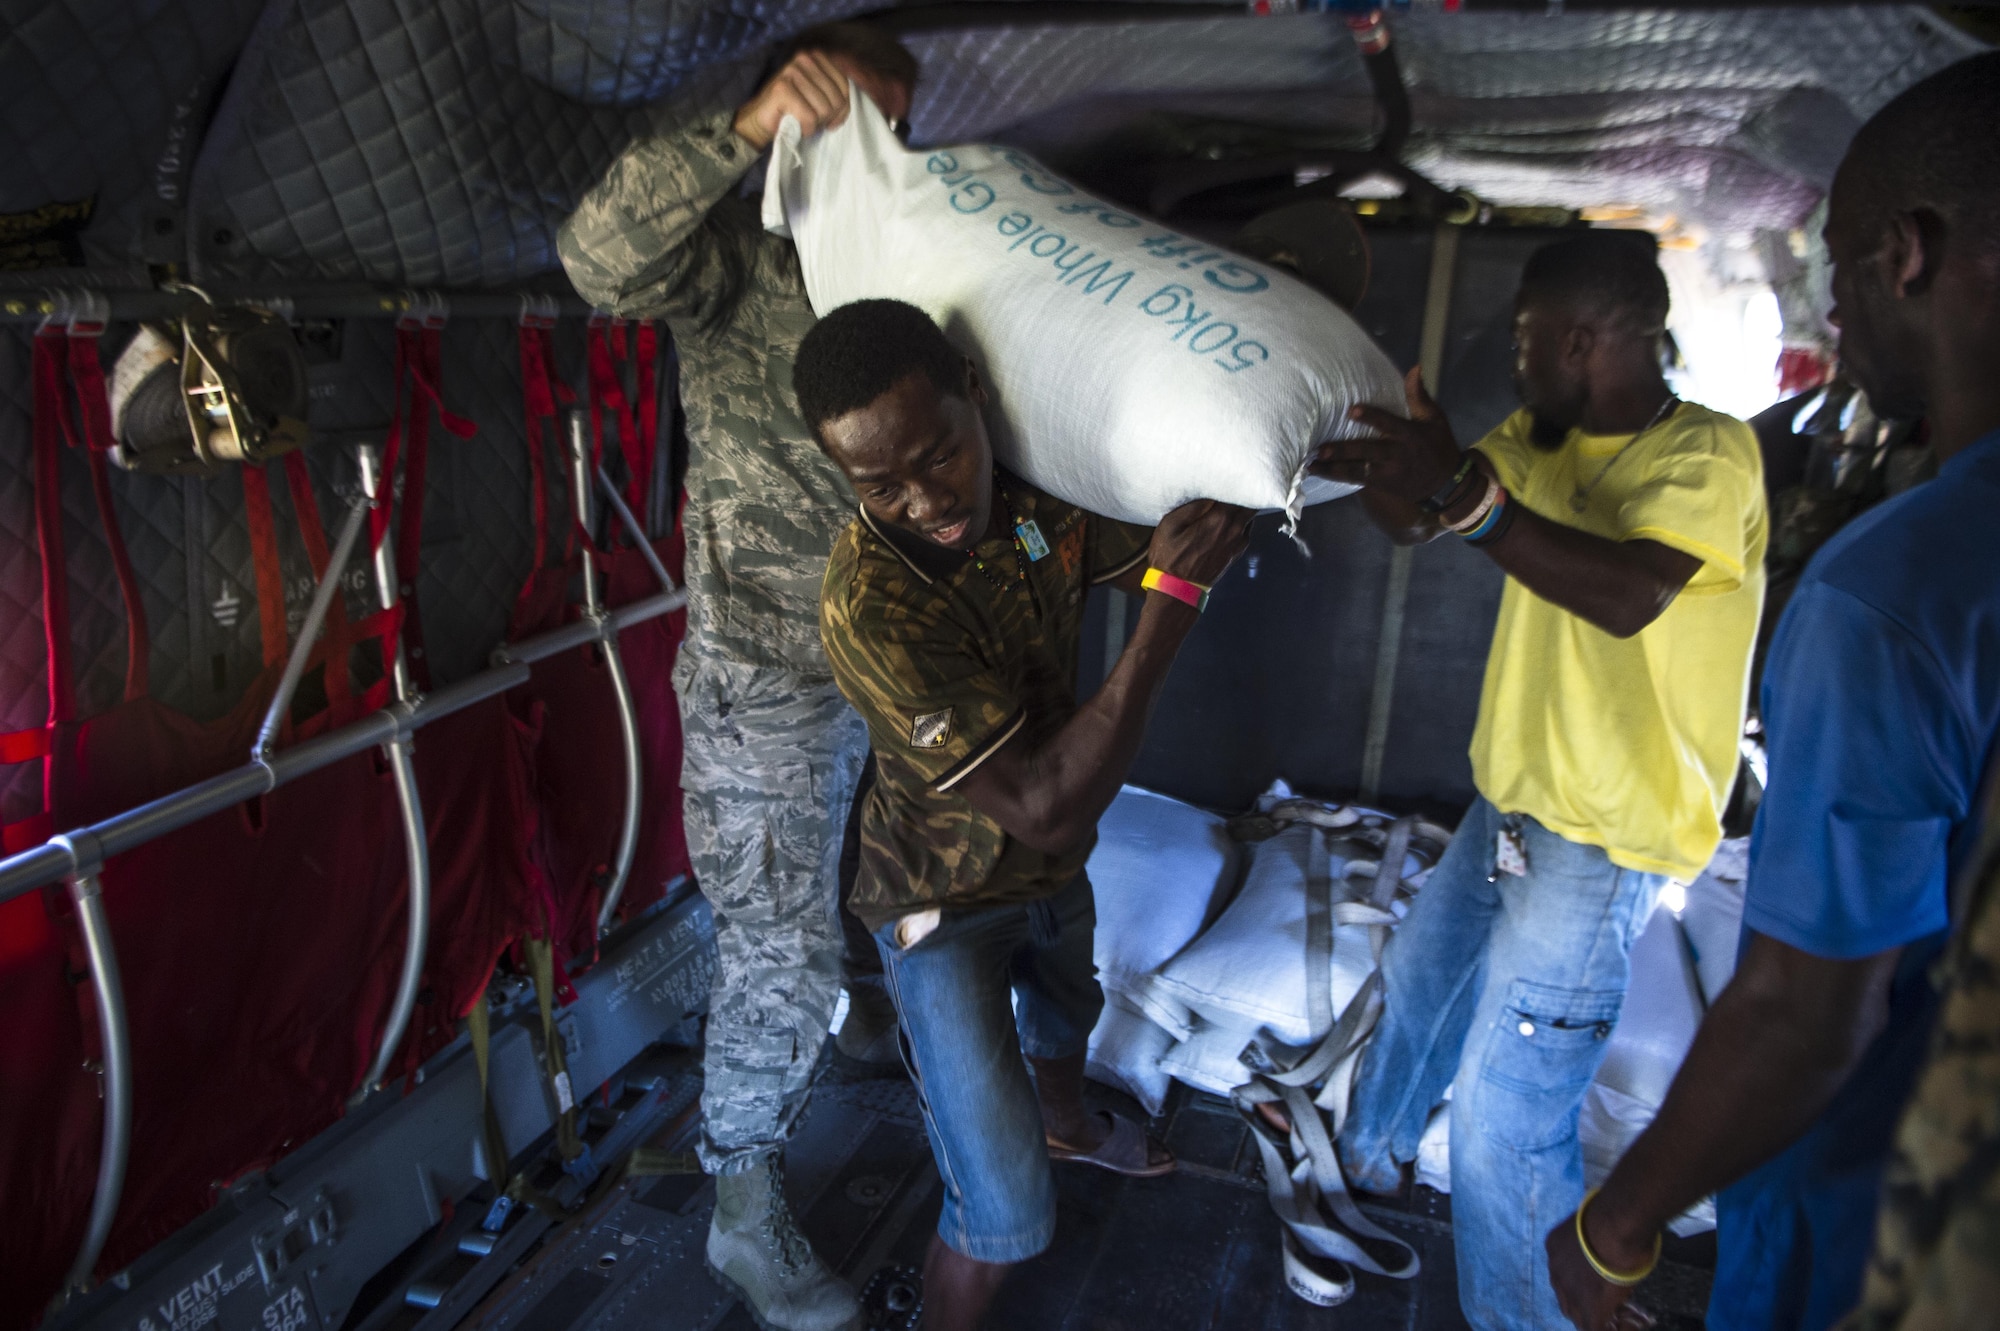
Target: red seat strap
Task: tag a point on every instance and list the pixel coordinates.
(607, 393)
(541, 391)
(86, 371)
(26, 834)
(24, 746)
(420, 350)
(46, 372)
(649, 417)
(265, 562)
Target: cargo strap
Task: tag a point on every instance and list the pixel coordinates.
(509, 1187)
(493, 1142)
(1323, 1228)
(541, 968)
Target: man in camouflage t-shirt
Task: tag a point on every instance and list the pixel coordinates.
(1937, 1238)
(772, 753)
(951, 614)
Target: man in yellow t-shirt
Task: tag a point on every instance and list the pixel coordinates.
(1631, 526)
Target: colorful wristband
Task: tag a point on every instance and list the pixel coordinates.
(1481, 530)
(1496, 524)
(1166, 584)
(1479, 511)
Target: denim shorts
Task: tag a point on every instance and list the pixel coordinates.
(976, 993)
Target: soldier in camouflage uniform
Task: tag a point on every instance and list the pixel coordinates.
(772, 751)
(951, 613)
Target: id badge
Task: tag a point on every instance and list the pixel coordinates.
(1031, 540)
(1510, 853)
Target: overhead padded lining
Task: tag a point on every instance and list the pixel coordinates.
(442, 144)
(105, 102)
(1732, 117)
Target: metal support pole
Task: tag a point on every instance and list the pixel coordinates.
(1395, 597)
(54, 859)
(399, 753)
(416, 854)
(638, 533)
(322, 601)
(628, 836)
(86, 891)
(381, 490)
(579, 488)
(621, 686)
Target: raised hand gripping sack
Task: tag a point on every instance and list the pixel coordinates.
(1132, 368)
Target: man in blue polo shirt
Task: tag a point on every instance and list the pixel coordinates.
(1882, 703)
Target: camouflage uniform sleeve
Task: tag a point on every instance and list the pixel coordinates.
(1938, 1231)
(918, 680)
(659, 236)
(1116, 548)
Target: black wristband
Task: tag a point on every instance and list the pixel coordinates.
(1449, 494)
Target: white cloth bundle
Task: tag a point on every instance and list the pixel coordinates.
(1161, 872)
(1132, 368)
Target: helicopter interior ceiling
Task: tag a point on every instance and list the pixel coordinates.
(364, 140)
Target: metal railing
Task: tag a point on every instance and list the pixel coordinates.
(77, 857)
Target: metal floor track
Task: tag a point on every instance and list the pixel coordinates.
(1198, 1249)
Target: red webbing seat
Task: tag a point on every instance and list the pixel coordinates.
(569, 705)
(259, 947)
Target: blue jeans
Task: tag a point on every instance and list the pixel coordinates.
(1507, 989)
(963, 1037)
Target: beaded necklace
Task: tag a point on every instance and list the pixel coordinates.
(1020, 562)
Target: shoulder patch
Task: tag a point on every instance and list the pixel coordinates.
(932, 730)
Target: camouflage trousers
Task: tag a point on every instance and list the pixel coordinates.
(771, 760)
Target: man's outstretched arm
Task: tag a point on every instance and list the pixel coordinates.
(1780, 1040)
(1620, 586)
(1051, 795)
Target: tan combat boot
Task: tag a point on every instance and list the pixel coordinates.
(760, 1254)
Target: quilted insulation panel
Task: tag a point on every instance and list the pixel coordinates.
(1732, 116)
(442, 144)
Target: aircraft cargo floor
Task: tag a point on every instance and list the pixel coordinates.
(1197, 1249)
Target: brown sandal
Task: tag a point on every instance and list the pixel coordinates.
(1128, 1150)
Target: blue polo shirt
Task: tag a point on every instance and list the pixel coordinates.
(1881, 705)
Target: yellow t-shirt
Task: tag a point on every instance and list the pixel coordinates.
(1630, 744)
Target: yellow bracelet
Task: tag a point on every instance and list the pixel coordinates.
(1605, 1273)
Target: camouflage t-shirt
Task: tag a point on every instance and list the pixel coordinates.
(947, 663)
(1937, 1236)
